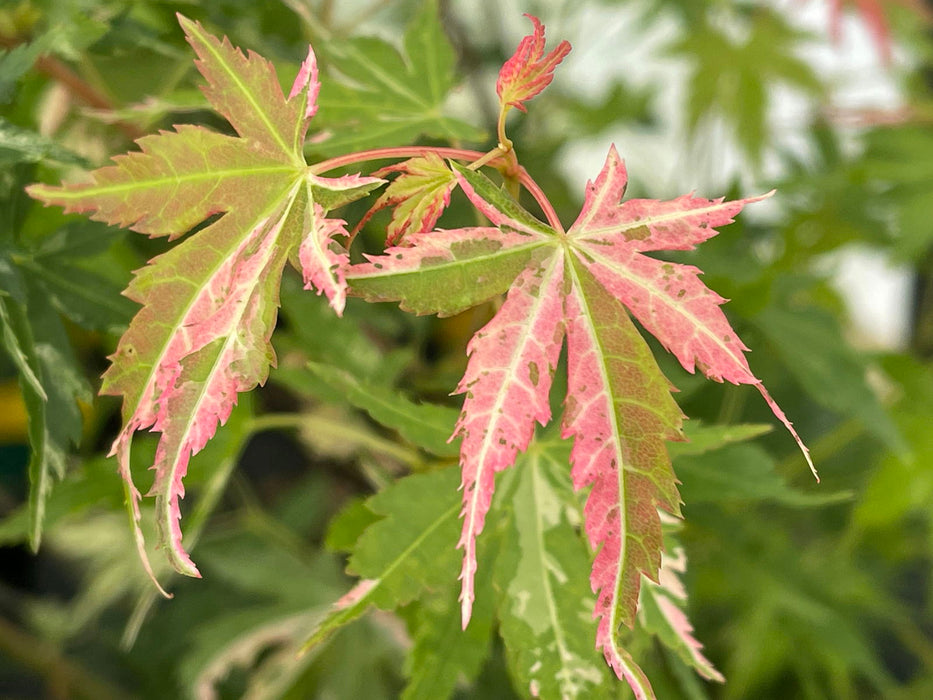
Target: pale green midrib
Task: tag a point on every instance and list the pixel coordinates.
(558, 629)
(73, 192)
(696, 323)
(649, 221)
(165, 515)
(440, 267)
(614, 622)
(277, 137)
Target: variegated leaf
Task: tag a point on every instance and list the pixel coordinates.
(209, 304)
(618, 408)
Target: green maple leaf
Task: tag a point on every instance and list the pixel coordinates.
(391, 97)
(209, 304)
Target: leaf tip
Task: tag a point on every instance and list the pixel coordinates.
(780, 415)
(307, 78)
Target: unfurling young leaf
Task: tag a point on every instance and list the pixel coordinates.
(210, 303)
(582, 283)
(418, 196)
(528, 71)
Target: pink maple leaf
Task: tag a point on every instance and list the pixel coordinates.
(418, 196)
(582, 283)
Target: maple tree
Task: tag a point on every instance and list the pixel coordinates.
(563, 537)
(209, 306)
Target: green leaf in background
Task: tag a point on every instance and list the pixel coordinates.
(11, 281)
(900, 160)
(542, 578)
(41, 276)
(18, 145)
(19, 345)
(428, 426)
(410, 549)
(75, 267)
(346, 527)
(444, 654)
(15, 62)
(312, 331)
(886, 501)
(732, 79)
(661, 608)
(811, 344)
(51, 382)
(738, 473)
(702, 438)
(389, 98)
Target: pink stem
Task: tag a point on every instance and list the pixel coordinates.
(457, 153)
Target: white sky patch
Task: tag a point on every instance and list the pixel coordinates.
(878, 294)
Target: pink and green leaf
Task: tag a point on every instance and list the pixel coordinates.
(529, 71)
(620, 413)
(668, 299)
(418, 196)
(322, 259)
(506, 386)
(209, 304)
(445, 272)
(177, 180)
(245, 90)
(661, 612)
(496, 204)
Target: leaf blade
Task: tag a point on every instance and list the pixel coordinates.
(471, 265)
(620, 413)
(507, 382)
(245, 90)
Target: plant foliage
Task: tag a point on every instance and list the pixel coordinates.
(555, 555)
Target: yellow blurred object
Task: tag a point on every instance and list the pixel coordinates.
(12, 413)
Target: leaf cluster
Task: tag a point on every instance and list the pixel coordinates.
(338, 480)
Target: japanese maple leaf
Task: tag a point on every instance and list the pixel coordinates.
(418, 196)
(209, 304)
(582, 283)
(528, 71)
